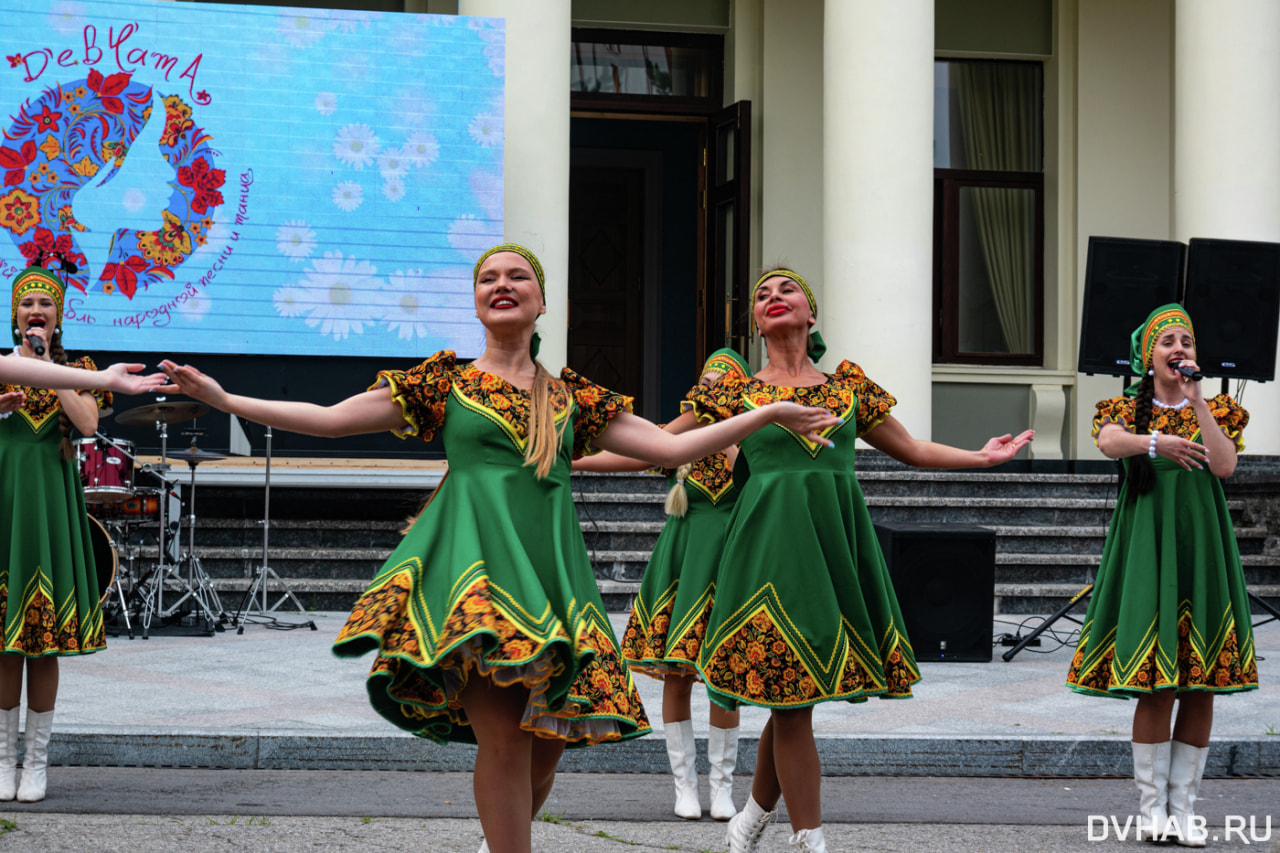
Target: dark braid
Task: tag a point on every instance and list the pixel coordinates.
(1142, 474)
(59, 356)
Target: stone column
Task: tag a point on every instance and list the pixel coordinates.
(1226, 177)
(877, 293)
(536, 153)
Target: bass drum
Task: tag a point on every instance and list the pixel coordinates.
(105, 557)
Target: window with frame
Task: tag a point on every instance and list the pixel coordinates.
(988, 258)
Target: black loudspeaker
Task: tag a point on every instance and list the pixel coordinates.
(1124, 279)
(1233, 297)
(945, 578)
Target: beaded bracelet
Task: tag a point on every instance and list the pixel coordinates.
(1151, 449)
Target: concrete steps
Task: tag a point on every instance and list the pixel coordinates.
(1049, 527)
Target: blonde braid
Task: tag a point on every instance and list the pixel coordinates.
(677, 499)
(544, 435)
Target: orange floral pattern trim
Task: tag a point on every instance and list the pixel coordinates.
(40, 633)
(1229, 670)
(43, 404)
(712, 476)
(648, 645)
(1231, 417)
(733, 395)
(757, 664)
(424, 390)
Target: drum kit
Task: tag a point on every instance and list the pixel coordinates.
(126, 499)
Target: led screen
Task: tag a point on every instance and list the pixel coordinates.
(229, 179)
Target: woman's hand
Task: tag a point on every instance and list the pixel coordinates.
(1003, 448)
(12, 401)
(126, 380)
(1191, 387)
(185, 379)
(804, 420)
(1188, 454)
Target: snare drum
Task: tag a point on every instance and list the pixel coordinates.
(105, 558)
(106, 469)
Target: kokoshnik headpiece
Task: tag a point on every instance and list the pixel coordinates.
(1142, 343)
(816, 345)
(535, 343)
(726, 361)
(35, 279)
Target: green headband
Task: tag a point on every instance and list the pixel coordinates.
(816, 345)
(35, 280)
(727, 361)
(794, 276)
(522, 252)
(1142, 342)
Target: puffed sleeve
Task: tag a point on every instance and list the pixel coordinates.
(1116, 410)
(103, 398)
(596, 406)
(874, 403)
(1232, 417)
(722, 400)
(421, 392)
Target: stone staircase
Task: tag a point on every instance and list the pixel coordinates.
(1049, 527)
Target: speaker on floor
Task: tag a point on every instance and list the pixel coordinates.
(1124, 279)
(1233, 297)
(945, 578)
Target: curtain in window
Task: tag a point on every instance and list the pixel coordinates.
(998, 105)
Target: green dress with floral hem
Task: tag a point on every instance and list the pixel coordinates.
(50, 603)
(669, 619)
(1169, 608)
(805, 610)
(493, 577)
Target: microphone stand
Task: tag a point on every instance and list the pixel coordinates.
(255, 597)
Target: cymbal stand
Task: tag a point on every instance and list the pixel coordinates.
(255, 600)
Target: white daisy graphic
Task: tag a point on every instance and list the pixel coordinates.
(496, 53)
(302, 27)
(196, 308)
(340, 295)
(421, 150)
(326, 103)
(290, 301)
(295, 240)
(471, 236)
(486, 130)
(393, 164)
(402, 305)
(356, 145)
(348, 195)
(393, 188)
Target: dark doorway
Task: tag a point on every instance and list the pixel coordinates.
(636, 256)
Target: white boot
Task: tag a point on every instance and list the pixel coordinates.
(810, 841)
(1151, 773)
(484, 846)
(682, 752)
(9, 752)
(36, 758)
(722, 752)
(746, 827)
(1186, 767)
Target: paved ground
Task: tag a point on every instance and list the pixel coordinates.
(269, 699)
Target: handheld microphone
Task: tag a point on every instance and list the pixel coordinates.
(1193, 375)
(37, 345)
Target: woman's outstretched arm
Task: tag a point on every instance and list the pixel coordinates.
(631, 435)
(41, 374)
(371, 411)
(891, 437)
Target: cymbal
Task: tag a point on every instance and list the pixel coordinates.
(170, 413)
(194, 456)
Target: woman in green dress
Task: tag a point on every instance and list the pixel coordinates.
(669, 618)
(1169, 615)
(486, 620)
(49, 597)
(805, 611)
